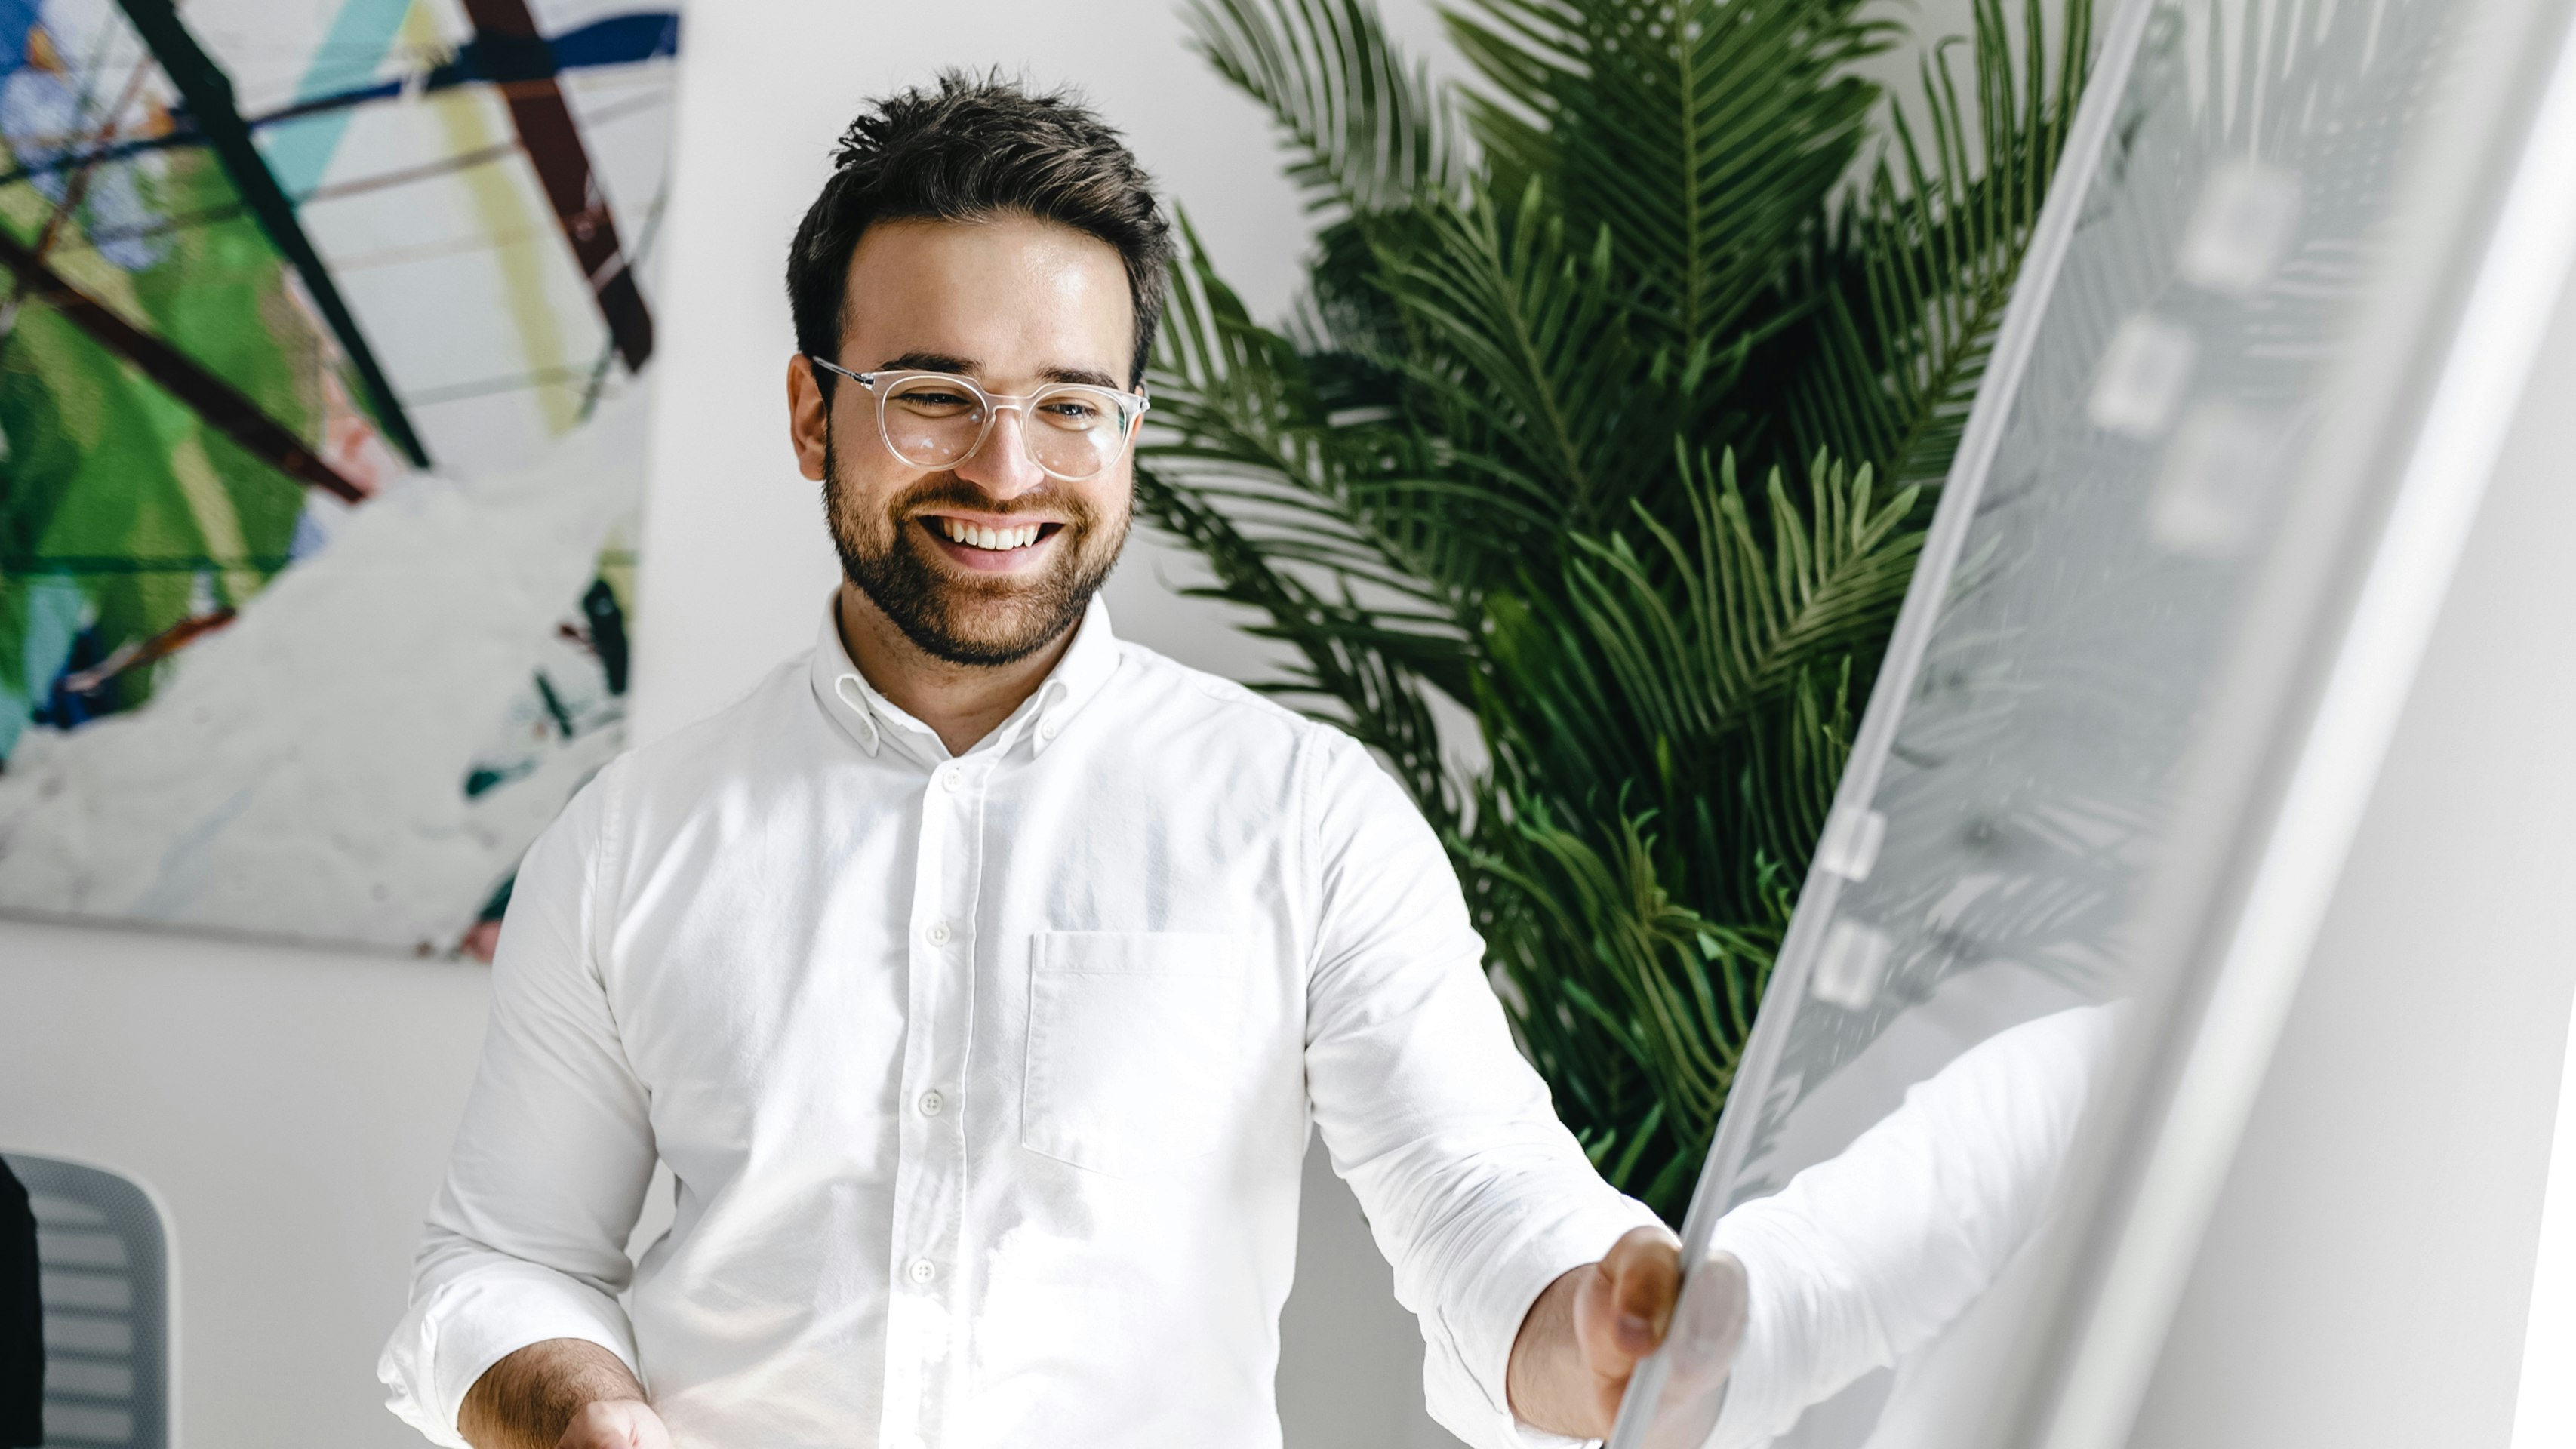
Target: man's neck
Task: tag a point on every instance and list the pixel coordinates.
(960, 702)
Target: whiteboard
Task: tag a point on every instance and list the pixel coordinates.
(2271, 330)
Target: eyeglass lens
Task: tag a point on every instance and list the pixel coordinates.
(935, 422)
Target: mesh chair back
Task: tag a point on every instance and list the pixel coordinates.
(103, 1261)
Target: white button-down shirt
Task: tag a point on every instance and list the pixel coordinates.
(985, 1079)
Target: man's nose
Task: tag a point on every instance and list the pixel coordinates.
(1003, 467)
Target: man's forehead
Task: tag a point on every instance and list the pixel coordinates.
(982, 289)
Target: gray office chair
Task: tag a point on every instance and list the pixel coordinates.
(104, 1276)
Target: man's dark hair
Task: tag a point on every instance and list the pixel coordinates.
(971, 150)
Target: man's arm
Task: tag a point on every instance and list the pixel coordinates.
(1477, 1195)
(564, 1393)
(526, 1240)
(1865, 1258)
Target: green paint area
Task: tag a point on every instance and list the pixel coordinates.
(122, 511)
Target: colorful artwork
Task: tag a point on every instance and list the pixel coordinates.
(321, 440)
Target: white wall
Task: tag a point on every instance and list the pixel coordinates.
(291, 1109)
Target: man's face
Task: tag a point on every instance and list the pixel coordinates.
(1014, 304)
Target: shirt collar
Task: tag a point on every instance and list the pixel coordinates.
(869, 718)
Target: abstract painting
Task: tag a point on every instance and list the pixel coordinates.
(323, 333)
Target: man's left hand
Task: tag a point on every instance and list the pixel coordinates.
(1586, 1332)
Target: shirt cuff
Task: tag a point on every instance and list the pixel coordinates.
(457, 1330)
(1465, 1372)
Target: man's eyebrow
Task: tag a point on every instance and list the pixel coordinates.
(967, 367)
(1089, 376)
(928, 362)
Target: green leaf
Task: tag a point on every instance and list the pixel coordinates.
(1705, 136)
(1912, 286)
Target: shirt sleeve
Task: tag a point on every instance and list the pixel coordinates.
(526, 1239)
(1862, 1259)
(1477, 1195)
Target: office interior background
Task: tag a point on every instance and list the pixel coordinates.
(291, 1106)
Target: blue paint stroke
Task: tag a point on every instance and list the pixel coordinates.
(57, 611)
(362, 34)
(17, 17)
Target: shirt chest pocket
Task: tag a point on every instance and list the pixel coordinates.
(1134, 1047)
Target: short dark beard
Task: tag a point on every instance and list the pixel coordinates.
(963, 621)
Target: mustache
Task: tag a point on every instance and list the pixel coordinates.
(932, 495)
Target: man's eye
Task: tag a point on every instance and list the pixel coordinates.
(921, 399)
(1070, 410)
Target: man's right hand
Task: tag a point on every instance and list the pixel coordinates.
(563, 1393)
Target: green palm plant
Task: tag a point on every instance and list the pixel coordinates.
(1607, 418)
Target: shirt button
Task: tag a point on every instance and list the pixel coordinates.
(952, 778)
(932, 1104)
(923, 1270)
(1046, 729)
(937, 934)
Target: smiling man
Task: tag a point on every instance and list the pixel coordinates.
(980, 975)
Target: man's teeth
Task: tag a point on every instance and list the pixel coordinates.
(997, 539)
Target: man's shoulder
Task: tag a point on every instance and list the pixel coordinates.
(1196, 700)
(721, 745)
(1186, 723)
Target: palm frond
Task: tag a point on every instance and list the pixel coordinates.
(1706, 136)
(1369, 140)
(1667, 989)
(1246, 467)
(1667, 731)
(1912, 286)
(1668, 667)
(1522, 351)
(1368, 133)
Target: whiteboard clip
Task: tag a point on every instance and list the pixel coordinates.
(1850, 844)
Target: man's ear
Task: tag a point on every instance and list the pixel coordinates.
(809, 417)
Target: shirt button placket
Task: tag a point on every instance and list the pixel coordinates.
(933, 1135)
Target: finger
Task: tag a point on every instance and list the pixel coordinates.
(614, 1424)
(591, 1429)
(1616, 1322)
(639, 1428)
(1645, 1272)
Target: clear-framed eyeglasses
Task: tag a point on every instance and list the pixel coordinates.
(939, 420)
